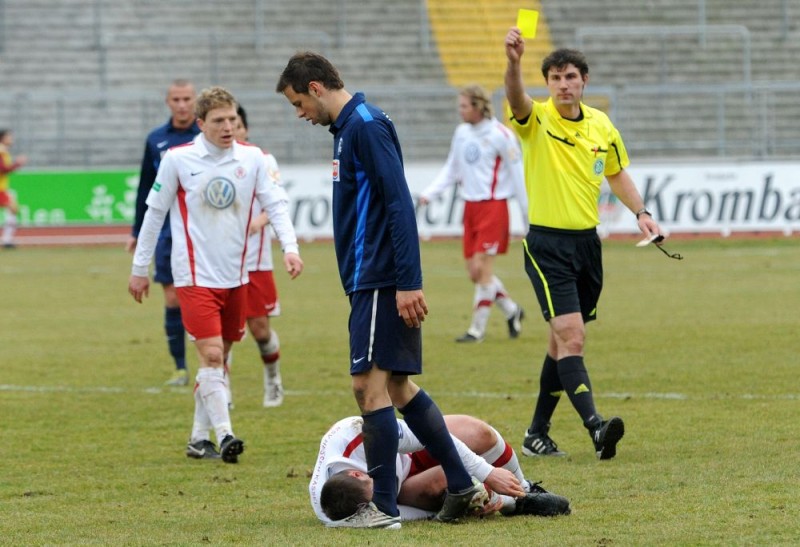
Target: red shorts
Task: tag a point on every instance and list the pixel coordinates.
(485, 227)
(208, 312)
(421, 460)
(5, 198)
(262, 295)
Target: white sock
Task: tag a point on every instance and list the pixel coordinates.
(270, 356)
(272, 374)
(509, 503)
(202, 424)
(227, 368)
(211, 386)
(10, 227)
(502, 299)
(502, 455)
(484, 296)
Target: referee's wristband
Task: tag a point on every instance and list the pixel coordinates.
(643, 211)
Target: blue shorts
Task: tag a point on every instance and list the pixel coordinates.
(378, 335)
(163, 273)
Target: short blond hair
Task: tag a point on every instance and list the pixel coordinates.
(479, 98)
(211, 98)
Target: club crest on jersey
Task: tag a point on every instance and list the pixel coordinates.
(335, 170)
(240, 173)
(473, 153)
(220, 193)
(598, 167)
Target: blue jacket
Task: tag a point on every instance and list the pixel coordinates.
(159, 140)
(374, 222)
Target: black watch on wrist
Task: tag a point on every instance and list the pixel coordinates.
(643, 211)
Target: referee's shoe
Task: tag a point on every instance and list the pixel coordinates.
(606, 436)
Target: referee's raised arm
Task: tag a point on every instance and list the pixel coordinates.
(519, 101)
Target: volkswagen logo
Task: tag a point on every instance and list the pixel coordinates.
(220, 193)
(473, 153)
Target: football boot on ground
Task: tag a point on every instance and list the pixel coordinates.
(273, 394)
(540, 502)
(540, 444)
(515, 323)
(469, 338)
(367, 516)
(469, 501)
(179, 378)
(230, 448)
(606, 436)
(202, 450)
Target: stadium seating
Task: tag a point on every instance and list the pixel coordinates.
(83, 80)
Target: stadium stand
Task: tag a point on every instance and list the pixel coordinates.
(469, 34)
(83, 80)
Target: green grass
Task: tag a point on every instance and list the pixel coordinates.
(700, 357)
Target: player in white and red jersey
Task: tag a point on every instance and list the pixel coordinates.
(340, 482)
(262, 294)
(485, 159)
(209, 186)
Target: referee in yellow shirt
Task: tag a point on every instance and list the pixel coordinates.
(568, 148)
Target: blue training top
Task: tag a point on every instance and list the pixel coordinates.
(160, 139)
(374, 222)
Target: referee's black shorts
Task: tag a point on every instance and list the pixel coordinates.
(566, 270)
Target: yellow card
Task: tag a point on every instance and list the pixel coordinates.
(526, 21)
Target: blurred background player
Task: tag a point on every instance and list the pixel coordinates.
(179, 129)
(209, 185)
(377, 249)
(569, 148)
(486, 161)
(262, 294)
(340, 483)
(7, 200)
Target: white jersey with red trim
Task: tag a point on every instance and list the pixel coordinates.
(486, 159)
(342, 448)
(209, 193)
(259, 246)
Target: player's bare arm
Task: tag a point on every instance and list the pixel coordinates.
(139, 287)
(411, 306)
(623, 187)
(518, 100)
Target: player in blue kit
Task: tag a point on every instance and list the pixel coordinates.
(179, 129)
(377, 248)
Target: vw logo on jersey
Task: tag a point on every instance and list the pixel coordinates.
(598, 167)
(473, 153)
(220, 193)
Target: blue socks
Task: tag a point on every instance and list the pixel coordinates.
(176, 336)
(425, 419)
(381, 440)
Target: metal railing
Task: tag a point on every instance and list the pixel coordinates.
(210, 42)
(754, 120)
(665, 32)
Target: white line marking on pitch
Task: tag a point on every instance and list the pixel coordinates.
(472, 394)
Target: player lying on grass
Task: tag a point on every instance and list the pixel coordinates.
(341, 488)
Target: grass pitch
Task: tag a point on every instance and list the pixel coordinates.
(700, 358)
